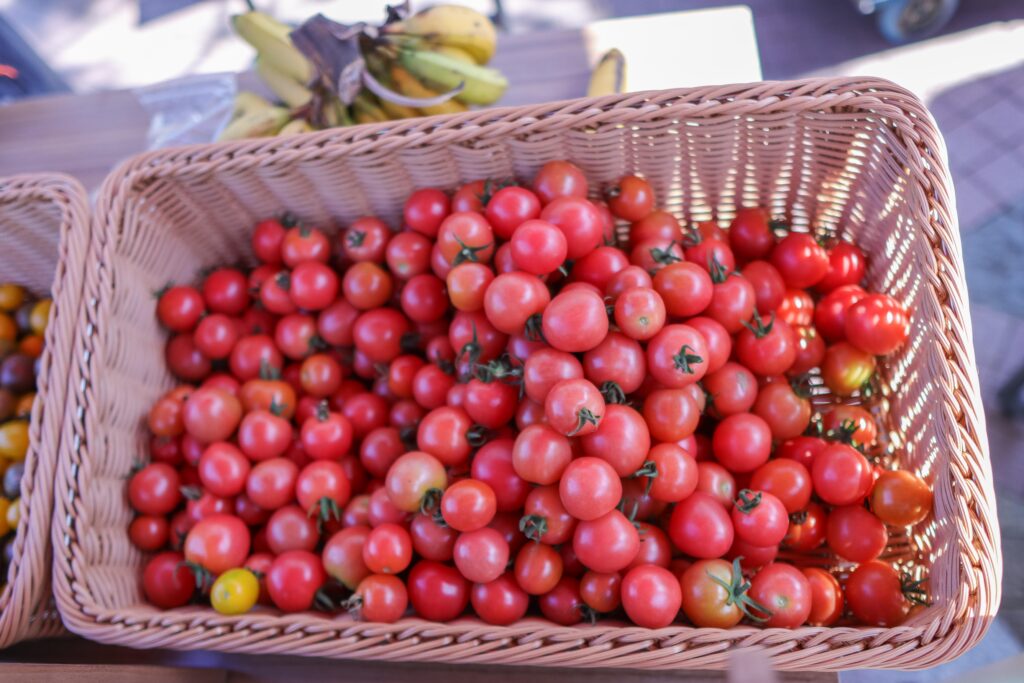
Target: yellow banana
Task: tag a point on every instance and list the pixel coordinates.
(296, 126)
(407, 84)
(246, 101)
(609, 76)
(453, 52)
(377, 66)
(292, 92)
(366, 109)
(256, 124)
(482, 84)
(452, 25)
(270, 38)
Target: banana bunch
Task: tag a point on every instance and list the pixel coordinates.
(420, 58)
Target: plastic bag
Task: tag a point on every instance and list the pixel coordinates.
(188, 110)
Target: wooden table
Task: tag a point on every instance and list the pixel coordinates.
(86, 135)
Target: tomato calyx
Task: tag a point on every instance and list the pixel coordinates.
(268, 371)
(684, 359)
(202, 576)
(158, 293)
(491, 187)
(328, 597)
(584, 417)
(650, 470)
(476, 436)
(499, 369)
(758, 327)
(275, 409)
(738, 593)
(410, 342)
(913, 589)
(613, 393)
(317, 344)
(289, 220)
(191, 492)
(355, 238)
(664, 255)
(799, 517)
(588, 614)
(468, 253)
(323, 411)
(747, 501)
(324, 510)
(431, 505)
(533, 330)
(718, 272)
(692, 237)
(471, 350)
(802, 385)
(844, 433)
(533, 527)
(283, 280)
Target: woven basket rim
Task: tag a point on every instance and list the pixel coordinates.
(881, 98)
(26, 608)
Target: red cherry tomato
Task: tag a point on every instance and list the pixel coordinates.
(700, 526)
(294, 579)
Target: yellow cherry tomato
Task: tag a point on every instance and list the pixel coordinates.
(14, 439)
(31, 345)
(13, 514)
(39, 316)
(235, 591)
(11, 296)
(8, 328)
(23, 408)
(4, 526)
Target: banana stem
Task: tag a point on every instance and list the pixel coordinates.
(250, 5)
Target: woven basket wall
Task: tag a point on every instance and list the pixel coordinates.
(861, 157)
(44, 221)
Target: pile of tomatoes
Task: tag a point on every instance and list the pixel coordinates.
(504, 407)
(23, 320)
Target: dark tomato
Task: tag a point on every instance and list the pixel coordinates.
(167, 582)
(432, 540)
(810, 350)
(425, 210)
(855, 534)
(750, 234)
(437, 591)
(509, 208)
(800, 260)
(601, 592)
(293, 580)
(846, 266)
(559, 179)
(500, 602)
(751, 556)
(562, 604)
(700, 526)
(334, 323)
(768, 285)
(184, 359)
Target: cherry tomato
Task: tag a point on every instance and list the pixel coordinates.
(267, 238)
(671, 414)
(437, 591)
(841, 475)
(621, 439)
(580, 222)
(540, 454)
(785, 592)
(223, 469)
(271, 483)
(468, 505)
(430, 386)
(712, 593)
(425, 210)
(846, 369)
(685, 288)
(509, 208)
(411, 477)
(290, 528)
(750, 234)
(512, 298)
(851, 423)
(293, 580)
(154, 490)
(651, 596)
(367, 285)
(677, 356)
(830, 313)
(179, 308)
(732, 301)
(148, 533)
(313, 286)
(481, 555)
(387, 549)
(766, 349)
(575, 321)
(810, 350)
(589, 488)
(787, 480)
(877, 324)
(167, 582)
(655, 225)
(759, 518)
(431, 539)
(786, 413)
(800, 260)
(607, 543)
(875, 595)
(855, 534)
(751, 556)
(303, 244)
(700, 526)
(901, 498)
(494, 465)
(826, 597)
(365, 240)
(500, 602)
(235, 591)
(742, 442)
(445, 433)
(218, 543)
(806, 528)
(846, 266)
(545, 518)
(559, 179)
(601, 592)
(465, 237)
(574, 407)
(185, 360)
(253, 356)
(716, 481)
(423, 298)
(408, 254)
(467, 284)
(382, 599)
(378, 334)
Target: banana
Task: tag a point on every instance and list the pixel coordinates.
(246, 101)
(366, 109)
(270, 38)
(292, 92)
(482, 84)
(336, 114)
(407, 84)
(296, 126)
(453, 52)
(256, 124)
(454, 26)
(609, 76)
(378, 67)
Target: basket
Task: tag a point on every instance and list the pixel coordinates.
(44, 222)
(861, 157)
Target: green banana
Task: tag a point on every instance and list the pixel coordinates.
(483, 85)
(292, 92)
(256, 124)
(366, 108)
(271, 40)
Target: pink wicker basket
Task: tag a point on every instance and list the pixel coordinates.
(861, 157)
(44, 221)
